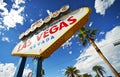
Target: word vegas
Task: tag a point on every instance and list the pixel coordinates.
(44, 36)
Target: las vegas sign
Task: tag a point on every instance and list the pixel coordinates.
(47, 40)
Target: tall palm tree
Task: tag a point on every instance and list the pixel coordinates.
(86, 35)
(99, 70)
(72, 71)
(95, 69)
(97, 75)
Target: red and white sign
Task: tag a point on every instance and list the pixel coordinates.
(46, 42)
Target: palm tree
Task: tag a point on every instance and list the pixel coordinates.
(86, 75)
(86, 35)
(72, 72)
(95, 69)
(99, 70)
(97, 75)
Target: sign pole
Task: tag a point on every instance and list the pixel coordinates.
(37, 67)
(20, 67)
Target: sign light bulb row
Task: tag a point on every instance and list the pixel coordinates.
(40, 22)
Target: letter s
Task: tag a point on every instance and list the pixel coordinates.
(28, 43)
(71, 20)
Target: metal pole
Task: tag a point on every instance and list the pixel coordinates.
(20, 67)
(37, 67)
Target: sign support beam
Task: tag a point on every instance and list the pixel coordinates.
(37, 67)
(20, 67)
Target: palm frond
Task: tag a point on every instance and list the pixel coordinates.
(94, 31)
(84, 42)
(80, 35)
(92, 34)
(87, 30)
(82, 29)
(70, 71)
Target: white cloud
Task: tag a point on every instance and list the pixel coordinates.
(70, 52)
(102, 5)
(1, 33)
(2, 7)
(2, 27)
(17, 2)
(89, 58)
(62, 70)
(11, 18)
(90, 24)
(67, 43)
(8, 70)
(31, 20)
(117, 17)
(49, 13)
(26, 71)
(101, 33)
(5, 39)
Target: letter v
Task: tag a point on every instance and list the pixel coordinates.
(39, 36)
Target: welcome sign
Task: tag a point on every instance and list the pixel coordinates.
(47, 41)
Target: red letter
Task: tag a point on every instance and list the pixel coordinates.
(53, 29)
(28, 43)
(24, 45)
(46, 33)
(63, 24)
(39, 37)
(71, 20)
(19, 48)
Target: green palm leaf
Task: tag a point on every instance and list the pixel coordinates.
(72, 71)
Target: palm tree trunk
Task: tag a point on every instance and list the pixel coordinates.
(97, 73)
(101, 73)
(103, 57)
(72, 75)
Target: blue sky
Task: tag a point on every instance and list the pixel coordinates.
(16, 16)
